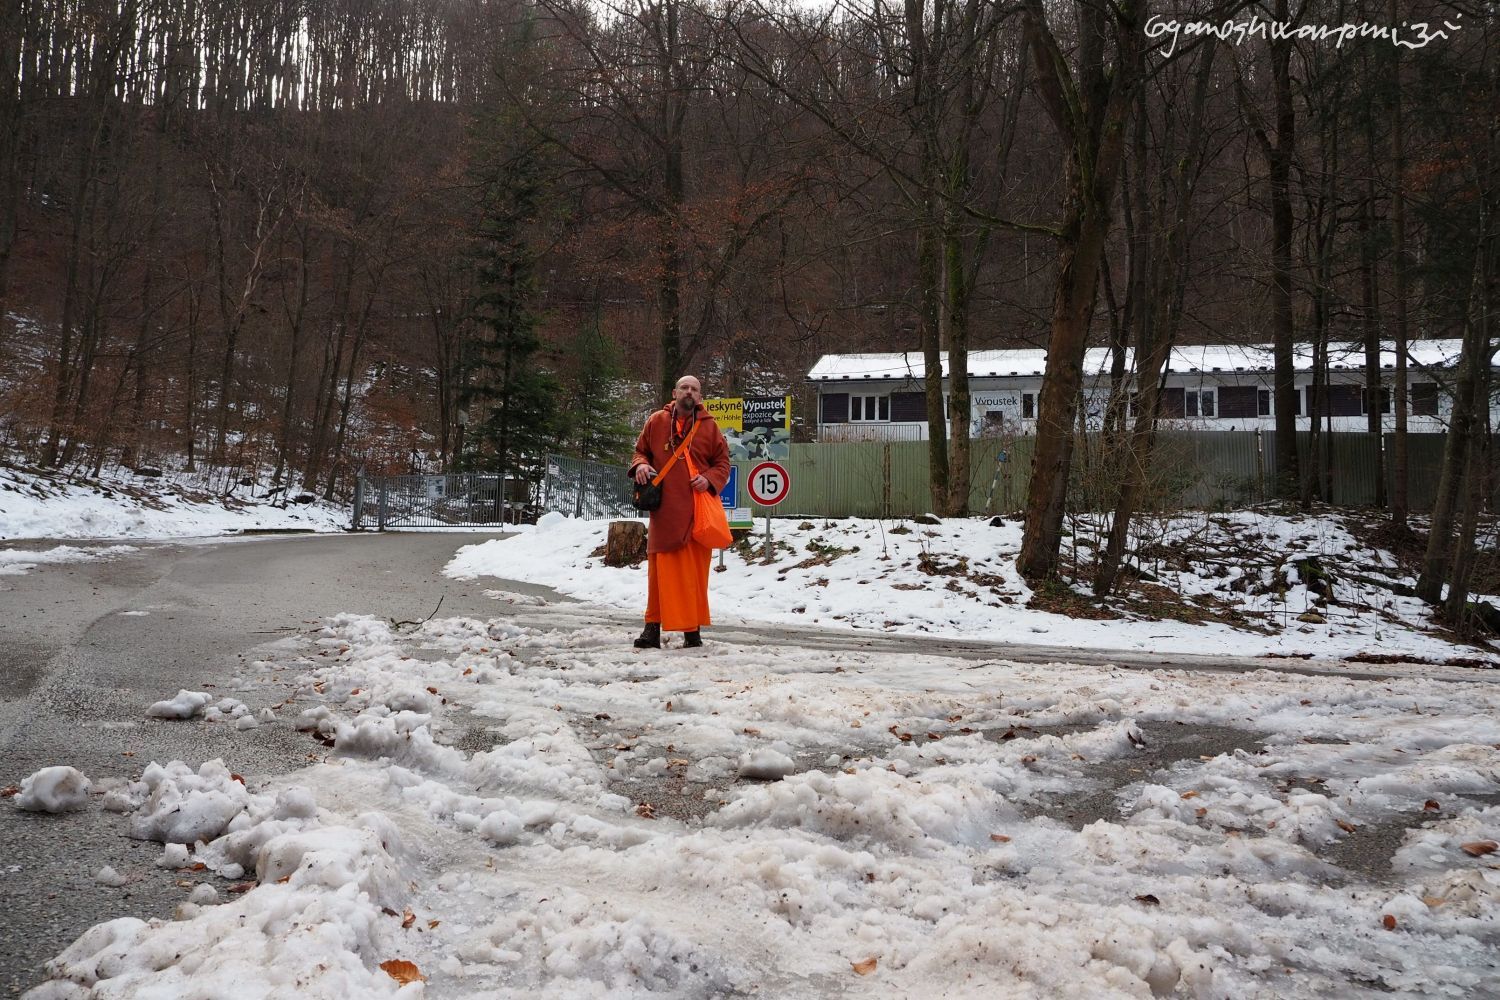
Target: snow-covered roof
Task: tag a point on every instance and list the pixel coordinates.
(1188, 358)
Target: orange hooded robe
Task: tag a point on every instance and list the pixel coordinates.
(677, 566)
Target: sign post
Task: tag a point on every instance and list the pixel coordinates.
(757, 429)
(729, 496)
(769, 484)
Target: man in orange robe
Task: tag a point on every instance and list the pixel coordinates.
(677, 566)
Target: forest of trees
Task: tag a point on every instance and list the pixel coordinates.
(413, 235)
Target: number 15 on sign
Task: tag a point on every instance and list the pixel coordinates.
(769, 484)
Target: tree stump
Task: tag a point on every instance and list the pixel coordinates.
(626, 544)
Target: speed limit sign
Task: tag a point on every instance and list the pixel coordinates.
(769, 483)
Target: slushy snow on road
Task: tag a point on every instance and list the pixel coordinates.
(516, 810)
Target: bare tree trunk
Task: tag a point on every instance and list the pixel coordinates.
(1400, 504)
(328, 378)
(295, 317)
(1283, 332)
(929, 324)
(62, 393)
(1375, 394)
(1159, 277)
(12, 115)
(1456, 452)
(1461, 556)
(350, 378)
(673, 109)
(190, 381)
(1094, 137)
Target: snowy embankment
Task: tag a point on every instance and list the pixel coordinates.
(502, 810)
(958, 578)
(33, 505)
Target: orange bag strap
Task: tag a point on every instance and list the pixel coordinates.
(676, 455)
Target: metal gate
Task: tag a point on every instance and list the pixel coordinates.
(586, 489)
(460, 500)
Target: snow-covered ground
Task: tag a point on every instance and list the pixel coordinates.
(525, 806)
(123, 506)
(958, 578)
(520, 810)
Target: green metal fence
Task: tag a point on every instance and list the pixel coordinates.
(1206, 469)
(1191, 469)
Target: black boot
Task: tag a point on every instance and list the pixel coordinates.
(650, 637)
(691, 639)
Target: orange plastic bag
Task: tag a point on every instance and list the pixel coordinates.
(710, 523)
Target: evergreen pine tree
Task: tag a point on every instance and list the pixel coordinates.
(596, 424)
(509, 392)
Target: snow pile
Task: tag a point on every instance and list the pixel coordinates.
(184, 806)
(107, 876)
(16, 562)
(765, 764)
(184, 705)
(123, 505)
(570, 943)
(519, 811)
(54, 790)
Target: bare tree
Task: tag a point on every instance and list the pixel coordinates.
(1089, 99)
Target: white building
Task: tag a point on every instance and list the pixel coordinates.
(881, 397)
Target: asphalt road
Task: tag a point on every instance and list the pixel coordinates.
(80, 662)
(77, 673)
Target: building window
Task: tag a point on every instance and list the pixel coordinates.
(1206, 403)
(866, 408)
(835, 407)
(1339, 400)
(1028, 406)
(1424, 399)
(1239, 402)
(1263, 403)
(908, 407)
(1173, 403)
(1385, 401)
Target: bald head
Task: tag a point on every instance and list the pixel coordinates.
(687, 394)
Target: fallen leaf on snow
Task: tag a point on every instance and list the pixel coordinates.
(646, 811)
(999, 838)
(408, 918)
(864, 968)
(1479, 848)
(1431, 805)
(1434, 901)
(1388, 922)
(1190, 795)
(1345, 826)
(1148, 899)
(402, 971)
